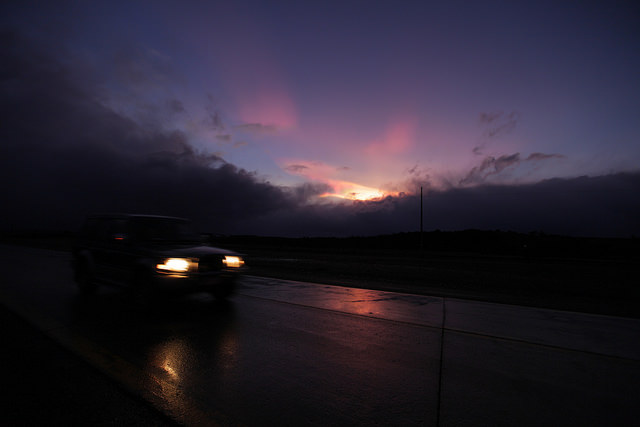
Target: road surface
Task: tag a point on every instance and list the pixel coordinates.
(297, 353)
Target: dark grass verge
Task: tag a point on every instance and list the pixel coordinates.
(599, 286)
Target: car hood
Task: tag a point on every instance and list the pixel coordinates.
(193, 251)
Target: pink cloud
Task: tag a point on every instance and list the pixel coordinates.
(268, 106)
(399, 138)
(314, 170)
(251, 75)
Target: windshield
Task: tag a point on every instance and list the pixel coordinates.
(163, 229)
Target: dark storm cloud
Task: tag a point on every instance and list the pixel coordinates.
(214, 117)
(498, 123)
(310, 190)
(599, 206)
(495, 125)
(492, 166)
(419, 178)
(589, 206)
(64, 154)
(67, 154)
(542, 156)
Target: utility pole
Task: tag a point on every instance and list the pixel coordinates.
(421, 230)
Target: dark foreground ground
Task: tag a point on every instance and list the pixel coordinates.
(44, 384)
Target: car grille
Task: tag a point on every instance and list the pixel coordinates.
(210, 263)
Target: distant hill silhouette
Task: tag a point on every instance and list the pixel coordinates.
(535, 244)
(488, 242)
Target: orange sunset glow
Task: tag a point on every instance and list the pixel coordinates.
(330, 176)
(351, 191)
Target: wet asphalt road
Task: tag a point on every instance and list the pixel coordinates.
(45, 384)
(302, 354)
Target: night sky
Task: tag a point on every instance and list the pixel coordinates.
(299, 118)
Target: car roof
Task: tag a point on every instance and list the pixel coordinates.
(128, 216)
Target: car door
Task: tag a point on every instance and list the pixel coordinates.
(115, 251)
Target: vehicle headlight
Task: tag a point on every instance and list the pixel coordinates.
(233, 261)
(176, 265)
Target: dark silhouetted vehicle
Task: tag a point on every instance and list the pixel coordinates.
(151, 256)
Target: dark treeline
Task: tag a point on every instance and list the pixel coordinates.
(478, 242)
(535, 244)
